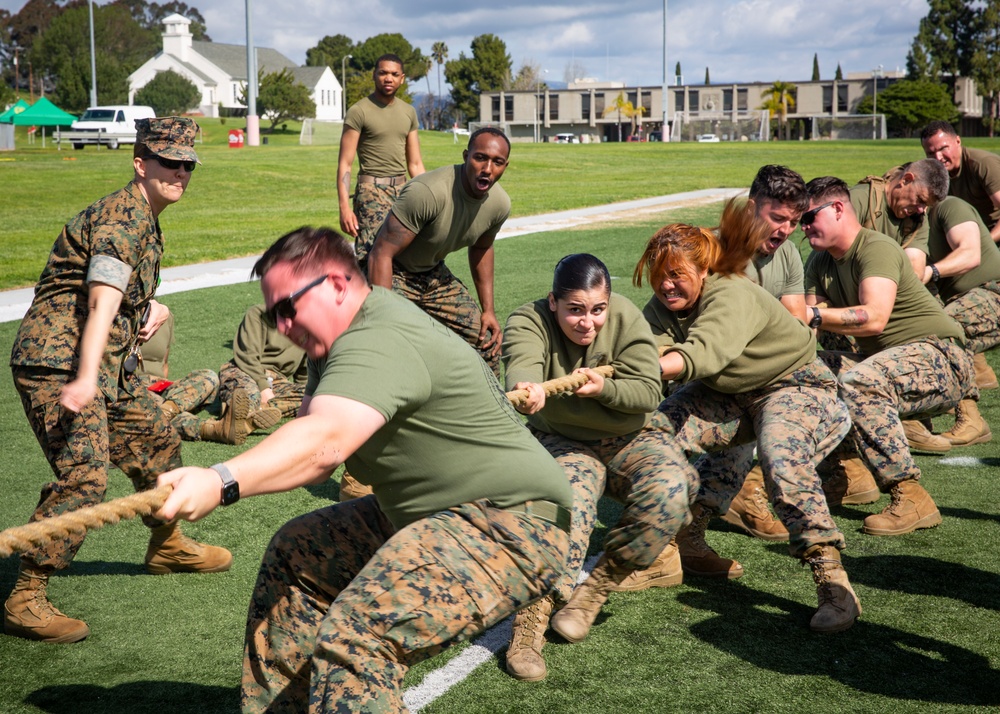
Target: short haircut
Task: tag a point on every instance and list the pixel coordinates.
(389, 57)
(140, 150)
(780, 184)
(828, 188)
(306, 248)
(937, 126)
(932, 175)
(489, 130)
(579, 271)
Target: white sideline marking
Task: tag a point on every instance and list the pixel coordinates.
(482, 650)
(961, 461)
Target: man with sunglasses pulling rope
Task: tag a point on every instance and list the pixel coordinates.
(74, 362)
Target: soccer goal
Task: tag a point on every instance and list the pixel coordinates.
(747, 126)
(857, 126)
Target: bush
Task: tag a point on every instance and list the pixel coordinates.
(169, 94)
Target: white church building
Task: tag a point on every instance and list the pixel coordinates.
(220, 71)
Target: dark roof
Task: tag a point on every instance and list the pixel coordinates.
(232, 59)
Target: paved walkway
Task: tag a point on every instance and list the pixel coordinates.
(14, 303)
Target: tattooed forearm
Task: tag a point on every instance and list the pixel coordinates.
(854, 316)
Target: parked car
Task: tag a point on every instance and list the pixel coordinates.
(566, 139)
(110, 125)
(708, 139)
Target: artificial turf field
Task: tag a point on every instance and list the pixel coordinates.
(929, 639)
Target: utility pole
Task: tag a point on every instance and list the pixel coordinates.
(93, 60)
(253, 121)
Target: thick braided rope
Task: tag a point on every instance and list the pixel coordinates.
(22, 538)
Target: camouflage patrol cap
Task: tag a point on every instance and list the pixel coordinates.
(169, 137)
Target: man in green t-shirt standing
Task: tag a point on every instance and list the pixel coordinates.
(974, 173)
(468, 522)
(441, 212)
(913, 358)
(382, 131)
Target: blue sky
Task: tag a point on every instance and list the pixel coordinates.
(739, 40)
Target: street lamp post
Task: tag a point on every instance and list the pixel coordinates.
(93, 60)
(343, 88)
(538, 107)
(876, 75)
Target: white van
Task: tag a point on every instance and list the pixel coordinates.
(109, 125)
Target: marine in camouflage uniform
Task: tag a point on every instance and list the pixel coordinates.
(73, 365)
(441, 212)
(467, 523)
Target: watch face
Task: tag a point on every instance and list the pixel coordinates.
(230, 493)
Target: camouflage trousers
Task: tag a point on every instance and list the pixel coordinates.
(344, 603)
(130, 433)
(920, 378)
(978, 312)
(191, 394)
(287, 394)
(630, 470)
(372, 203)
(445, 298)
(795, 423)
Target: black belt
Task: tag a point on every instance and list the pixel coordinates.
(546, 510)
(382, 180)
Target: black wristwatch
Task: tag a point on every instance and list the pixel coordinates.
(230, 488)
(935, 273)
(817, 319)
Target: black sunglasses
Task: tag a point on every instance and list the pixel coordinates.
(172, 164)
(286, 306)
(809, 217)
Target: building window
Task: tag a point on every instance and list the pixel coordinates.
(693, 100)
(585, 106)
(827, 99)
(599, 105)
(553, 107)
(727, 100)
(679, 100)
(741, 100)
(647, 103)
(508, 108)
(842, 98)
(495, 110)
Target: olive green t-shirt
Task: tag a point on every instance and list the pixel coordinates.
(736, 339)
(451, 435)
(780, 273)
(978, 178)
(383, 129)
(951, 212)
(872, 209)
(444, 217)
(536, 349)
(915, 314)
(259, 346)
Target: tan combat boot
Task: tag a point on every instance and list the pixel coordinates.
(29, 614)
(839, 606)
(170, 551)
(749, 510)
(350, 488)
(697, 557)
(170, 409)
(231, 427)
(970, 427)
(524, 655)
(665, 572)
(986, 378)
(922, 440)
(911, 508)
(263, 418)
(847, 481)
(574, 621)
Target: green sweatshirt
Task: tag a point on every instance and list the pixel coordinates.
(259, 346)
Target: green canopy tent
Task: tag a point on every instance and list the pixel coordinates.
(8, 116)
(43, 113)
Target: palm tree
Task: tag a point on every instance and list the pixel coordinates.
(623, 106)
(439, 51)
(779, 98)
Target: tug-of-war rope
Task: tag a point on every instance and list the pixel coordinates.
(21, 538)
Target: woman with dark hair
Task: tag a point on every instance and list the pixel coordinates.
(751, 375)
(605, 436)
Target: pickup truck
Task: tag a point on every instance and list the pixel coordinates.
(108, 125)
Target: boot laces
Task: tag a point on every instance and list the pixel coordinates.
(759, 502)
(528, 624)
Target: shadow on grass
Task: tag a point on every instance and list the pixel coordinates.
(151, 697)
(772, 632)
(916, 575)
(969, 515)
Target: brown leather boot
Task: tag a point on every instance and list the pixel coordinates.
(350, 488)
(170, 551)
(665, 572)
(847, 481)
(750, 511)
(232, 426)
(263, 418)
(970, 427)
(986, 378)
(839, 606)
(29, 614)
(524, 655)
(697, 557)
(911, 508)
(922, 440)
(574, 621)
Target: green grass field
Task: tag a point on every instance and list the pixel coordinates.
(929, 639)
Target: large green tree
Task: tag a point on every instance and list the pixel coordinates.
(487, 70)
(439, 52)
(943, 47)
(280, 98)
(910, 104)
(815, 75)
(986, 62)
(169, 94)
(779, 98)
(150, 15)
(21, 30)
(329, 52)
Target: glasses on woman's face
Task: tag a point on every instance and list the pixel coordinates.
(172, 164)
(809, 217)
(286, 306)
